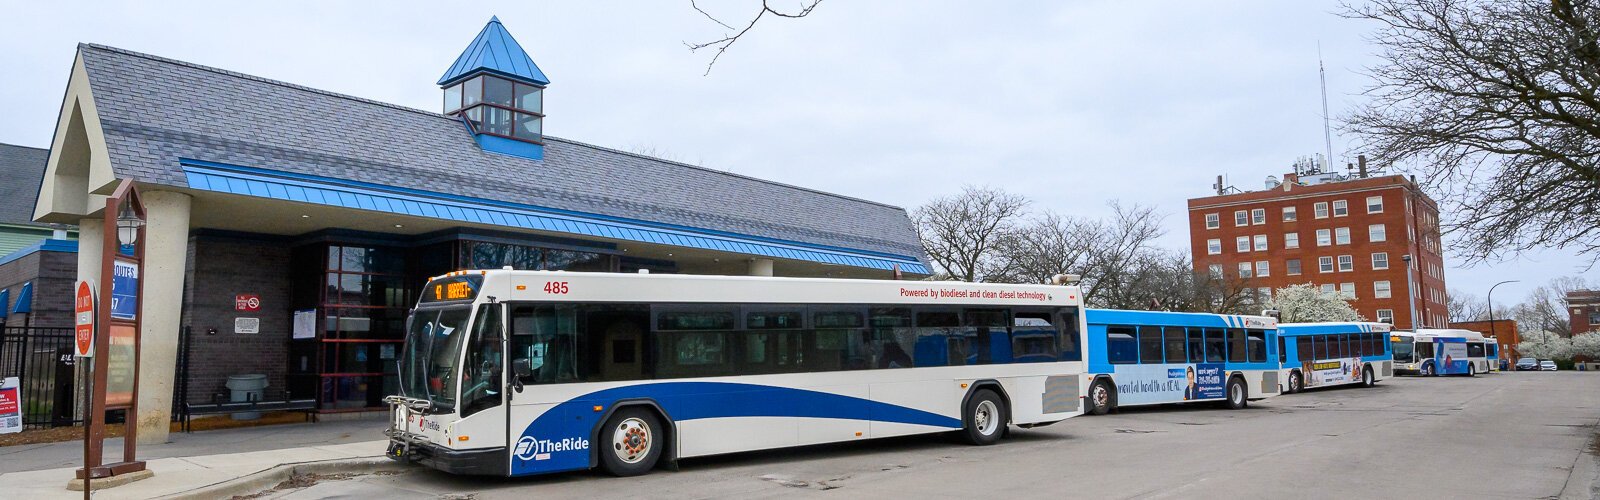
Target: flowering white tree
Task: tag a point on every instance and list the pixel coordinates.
(1306, 304)
(1545, 345)
(1587, 344)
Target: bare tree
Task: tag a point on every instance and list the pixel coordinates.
(1467, 307)
(1495, 103)
(962, 233)
(1545, 309)
(1114, 260)
(1045, 246)
(734, 34)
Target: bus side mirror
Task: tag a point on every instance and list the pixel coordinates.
(522, 367)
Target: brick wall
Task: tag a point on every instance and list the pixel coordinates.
(218, 269)
(52, 274)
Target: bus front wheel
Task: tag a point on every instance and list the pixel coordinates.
(632, 441)
(1101, 398)
(1427, 370)
(1367, 379)
(984, 419)
(1236, 394)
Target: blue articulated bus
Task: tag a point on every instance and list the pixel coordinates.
(1328, 354)
(1151, 357)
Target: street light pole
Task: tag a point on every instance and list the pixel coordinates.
(1491, 306)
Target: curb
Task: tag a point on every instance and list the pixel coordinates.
(263, 480)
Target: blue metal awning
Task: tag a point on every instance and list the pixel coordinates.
(5, 300)
(24, 299)
(261, 183)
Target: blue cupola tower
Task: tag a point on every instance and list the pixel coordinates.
(498, 92)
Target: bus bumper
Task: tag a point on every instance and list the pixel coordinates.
(478, 462)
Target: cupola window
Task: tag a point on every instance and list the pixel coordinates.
(499, 107)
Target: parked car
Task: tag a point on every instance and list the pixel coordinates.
(1527, 364)
(1546, 365)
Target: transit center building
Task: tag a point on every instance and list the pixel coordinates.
(289, 229)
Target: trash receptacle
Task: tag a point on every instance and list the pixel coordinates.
(247, 388)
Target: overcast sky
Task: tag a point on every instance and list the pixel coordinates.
(1071, 104)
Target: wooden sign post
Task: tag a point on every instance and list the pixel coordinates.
(115, 362)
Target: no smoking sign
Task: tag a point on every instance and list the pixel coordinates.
(247, 302)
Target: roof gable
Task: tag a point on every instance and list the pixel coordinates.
(23, 169)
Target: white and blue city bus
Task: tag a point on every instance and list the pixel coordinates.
(1439, 351)
(625, 371)
(1491, 352)
(1327, 354)
(1148, 357)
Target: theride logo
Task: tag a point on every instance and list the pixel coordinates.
(529, 448)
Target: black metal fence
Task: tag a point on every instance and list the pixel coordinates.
(41, 359)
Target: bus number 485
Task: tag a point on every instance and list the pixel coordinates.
(555, 287)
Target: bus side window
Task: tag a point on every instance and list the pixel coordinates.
(1197, 346)
(1174, 338)
(1150, 345)
(1257, 345)
(1283, 350)
(1305, 348)
(1216, 346)
(1121, 348)
(1071, 345)
(1033, 338)
(1236, 346)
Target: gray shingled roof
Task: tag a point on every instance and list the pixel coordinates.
(155, 110)
(22, 168)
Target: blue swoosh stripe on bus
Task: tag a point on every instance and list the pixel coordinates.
(682, 401)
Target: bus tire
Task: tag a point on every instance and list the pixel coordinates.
(1367, 380)
(1296, 383)
(984, 419)
(1472, 369)
(1238, 398)
(631, 442)
(1102, 397)
(1427, 369)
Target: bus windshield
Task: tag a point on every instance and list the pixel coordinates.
(1402, 349)
(433, 343)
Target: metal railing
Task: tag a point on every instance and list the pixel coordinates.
(41, 358)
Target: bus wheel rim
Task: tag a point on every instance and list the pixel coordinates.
(1235, 394)
(1101, 396)
(631, 441)
(986, 418)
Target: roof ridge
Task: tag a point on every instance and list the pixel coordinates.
(441, 116)
(245, 76)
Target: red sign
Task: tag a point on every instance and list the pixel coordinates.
(247, 302)
(83, 325)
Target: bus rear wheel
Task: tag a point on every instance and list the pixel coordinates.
(1236, 394)
(984, 419)
(632, 441)
(1427, 370)
(1295, 382)
(1101, 398)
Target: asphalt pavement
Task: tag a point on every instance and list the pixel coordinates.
(1502, 435)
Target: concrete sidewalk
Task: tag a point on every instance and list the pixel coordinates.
(193, 461)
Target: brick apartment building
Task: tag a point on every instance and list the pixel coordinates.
(1585, 308)
(1349, 235)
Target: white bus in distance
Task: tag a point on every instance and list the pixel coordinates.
(1439, 351)
(624, 371)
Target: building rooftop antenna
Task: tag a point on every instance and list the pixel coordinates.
(1327, 131)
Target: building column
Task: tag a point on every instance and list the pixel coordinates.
(760, 267)
(166, 247)
(89, 233)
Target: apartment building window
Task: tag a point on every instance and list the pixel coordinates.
(1341, 236)
(1291, 240)
(1386, 316)
(1242, 244)
(1325, 264)
(1264, 294)
(1258, 216)
(1213, 247)
(1380, 260)
(1374, 204)
(1216, 271)
(1324, 237)
(1321, 209)
(1341, 208)
(1346, 263)
(1380, 289)
(1261, 243)
(1289, 215)
(1244, 269)
(1347, 291)
(1377, 233)
(1263, 268)
(1241, 218)
(1213, 221)
(1292, 266)
(1327, 289)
